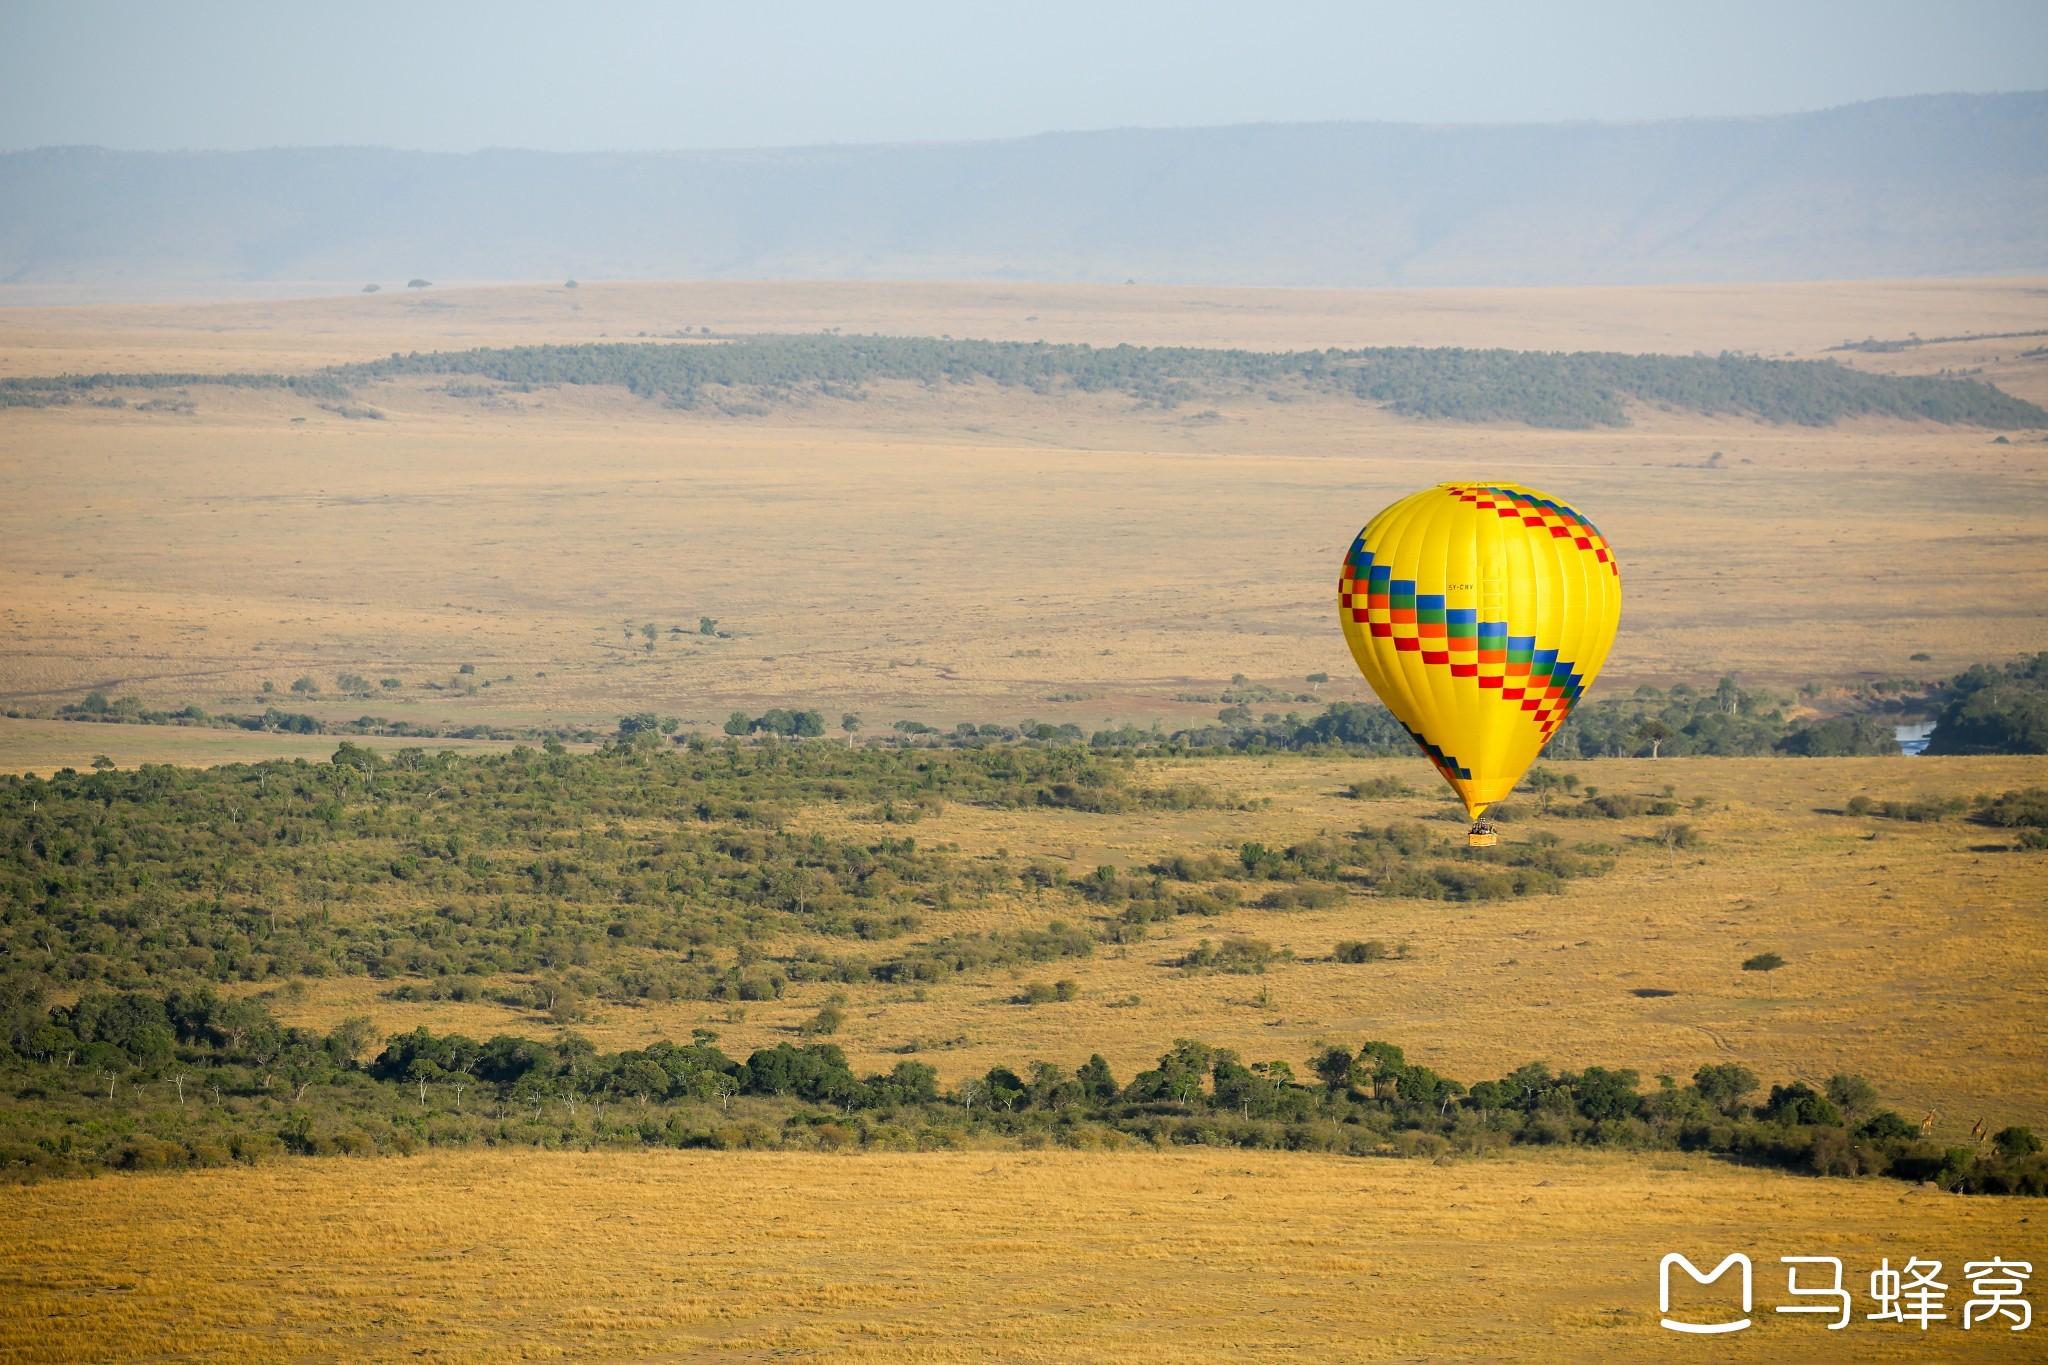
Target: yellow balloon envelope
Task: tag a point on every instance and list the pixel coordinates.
(1480, 613)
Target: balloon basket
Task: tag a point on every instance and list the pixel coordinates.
(1482, 835)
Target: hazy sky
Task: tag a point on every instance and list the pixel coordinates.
(637, 76)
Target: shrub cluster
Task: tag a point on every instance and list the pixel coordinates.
(630, 866)
(631, 874)
(2024, 811)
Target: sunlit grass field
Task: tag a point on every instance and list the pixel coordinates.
(959, 1256)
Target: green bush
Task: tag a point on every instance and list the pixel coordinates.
(1380, 789)
(2024, 809)
(1235, 954)
(824, 1023)
(1916, 810)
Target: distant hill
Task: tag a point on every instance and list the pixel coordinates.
(1936, 185)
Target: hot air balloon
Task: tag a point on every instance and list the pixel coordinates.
(1480, 613)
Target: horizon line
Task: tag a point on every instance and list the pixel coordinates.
(757, 148)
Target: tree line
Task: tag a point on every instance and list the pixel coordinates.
(750, 374)
(191, 1078)
(97, 707)
(1987, 708)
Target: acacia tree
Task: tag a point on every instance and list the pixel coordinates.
(420, 1072)
(1657, 733)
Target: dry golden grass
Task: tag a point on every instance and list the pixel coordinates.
(908, 567)
(960, 1256)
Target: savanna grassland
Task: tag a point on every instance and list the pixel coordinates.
(956, 1256)
(961, 553)
(547, 560)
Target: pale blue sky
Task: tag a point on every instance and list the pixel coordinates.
(644, 76)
